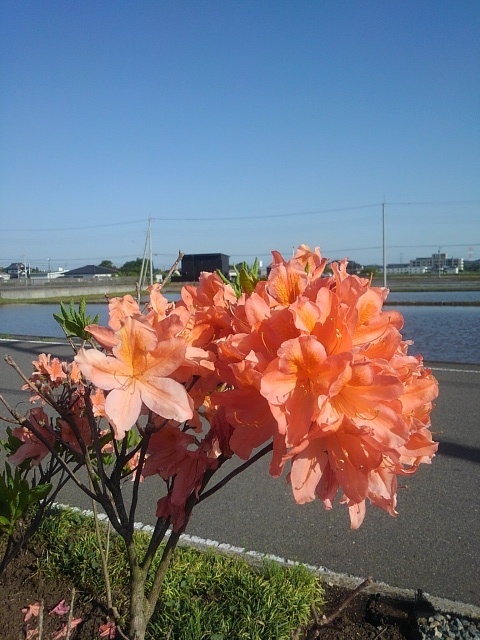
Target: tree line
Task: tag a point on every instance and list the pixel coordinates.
(130, 268)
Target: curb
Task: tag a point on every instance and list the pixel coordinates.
(255, 558)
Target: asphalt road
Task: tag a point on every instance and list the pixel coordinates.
(433, 544)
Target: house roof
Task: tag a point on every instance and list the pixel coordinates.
(15, 265)
(90, 270)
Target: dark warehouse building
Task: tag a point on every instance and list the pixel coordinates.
(193, 264)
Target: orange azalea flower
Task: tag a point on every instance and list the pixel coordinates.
(74, 372)
(50, 367)
(246, 411)
(286, 282)
(351, 407)
(372, 321)
(267, 335)
(158, 302)
(105, 336)
(299, 382)
(348, 460)
(312, 261)
(98, 403)
(68, 435)
(33, 448)
(168, 456)
(210, 303)
(329, 321)
(118, 309)
(121, 308)
(167, 450)
(137, 373)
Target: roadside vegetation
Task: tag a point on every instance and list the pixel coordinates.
(206, 594)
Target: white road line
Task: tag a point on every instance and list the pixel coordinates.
(45, 342)
(454, 370)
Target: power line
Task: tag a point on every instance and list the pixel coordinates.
(275, 215)
(82, 228)
(433, 202)
(425, 246)
(350, 249)
(342, 250)
(206, 218)
(256, 217)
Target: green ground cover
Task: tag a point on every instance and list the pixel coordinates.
(207, 595)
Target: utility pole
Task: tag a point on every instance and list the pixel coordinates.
(148, 245)
(150, 251)
(384, 246)
(143, 270)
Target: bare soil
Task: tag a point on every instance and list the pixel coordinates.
(367, 617)
(22, 585)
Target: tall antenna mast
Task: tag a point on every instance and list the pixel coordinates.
(151, 255)
(143, 270)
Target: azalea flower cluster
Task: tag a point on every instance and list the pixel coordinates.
(308, 362)
(62, 383)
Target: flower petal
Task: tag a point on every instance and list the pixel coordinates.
(104, 371)
(123, 407)
(166, 397)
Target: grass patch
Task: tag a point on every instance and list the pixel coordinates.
(89, 297)
(207, 596)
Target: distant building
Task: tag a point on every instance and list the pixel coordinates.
(354, 268)
(193, 264)
(90, 271)
(397, 269)
(48, 275)
(436, 263)
(403, 268)
(439, 262)
(471, 265)
(17, 270)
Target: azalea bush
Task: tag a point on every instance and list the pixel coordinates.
(304, 367)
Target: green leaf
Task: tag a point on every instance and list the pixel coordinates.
(247, 281)
(223, 277)
(39, 492)
(73, 322)
(6, 526)
(71, 326)
(65, 313)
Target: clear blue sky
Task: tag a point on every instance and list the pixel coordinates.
(238, 127)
